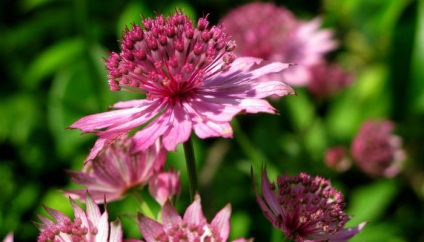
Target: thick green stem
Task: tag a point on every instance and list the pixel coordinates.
(191, 167)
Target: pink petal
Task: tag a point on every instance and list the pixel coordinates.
(345, 234)
(170, 216)
(92, 209)
(179, 128)
(149, 228)
(194, 214)
(116, 234)
(102, 226)
(211, 129)
(221, 222)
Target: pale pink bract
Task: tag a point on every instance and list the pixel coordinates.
(88, 226)
(192, 227)
(191, 80)
(273, 33)
(305, 208)
(118, 170)
(376, 150)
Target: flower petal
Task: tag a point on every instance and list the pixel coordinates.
(221, 222)
(148, 227)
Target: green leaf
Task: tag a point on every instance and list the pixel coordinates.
(53, 59)
(368, 203)
(417, 70)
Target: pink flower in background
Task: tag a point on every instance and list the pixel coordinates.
(117, 170)
(305, 208)
(87, 226)
(191, 79)
(336, 158)
(164, 186)
(192, 227)
(376, 150)
(328, 79)
(273, 33)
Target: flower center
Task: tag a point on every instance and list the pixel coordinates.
(315, 204)
(169, 58)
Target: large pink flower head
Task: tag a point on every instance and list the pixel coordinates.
(117, 170)
(192, 227)
(273, 33)
(89, 226)
(191, 79)
(376, 150)
(305, 208)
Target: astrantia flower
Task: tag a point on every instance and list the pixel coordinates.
(328, 79)
(164, 186)
(87, 226)
(376, 150)
(273, 33)
(117, 170)
(192, 227)
(305, 208)
(191, 79)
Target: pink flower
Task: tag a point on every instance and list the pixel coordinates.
(118, 170)
(164, 186)
(87, 226)
(337, 159)
(376, 151)
(273, 33)
(191, 79)
(327, 80)
(191, 227)
(305, 208)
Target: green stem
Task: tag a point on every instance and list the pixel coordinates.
(191, 167)
(144, 206)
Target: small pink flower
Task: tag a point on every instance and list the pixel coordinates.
(87, 226)
(327, 80)
(164, 186)
(337, 159)
(305, 208)
(273, 33)
(376, 151)
(191, 79)
(192, 227)
(117, 170)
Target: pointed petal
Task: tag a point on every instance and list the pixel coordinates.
(347, 233)
(102, 226)
(179, 128)
(170, 216)
(92, 209)
(194, 213)
(149, 228)
(116, 234)
(221, 222)
(96, 122)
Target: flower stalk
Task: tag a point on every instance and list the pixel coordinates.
(191, 167)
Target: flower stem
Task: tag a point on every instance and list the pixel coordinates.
(191, 167)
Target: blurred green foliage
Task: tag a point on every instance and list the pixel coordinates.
(51, 59)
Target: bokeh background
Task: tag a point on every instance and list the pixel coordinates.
(51, 57)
